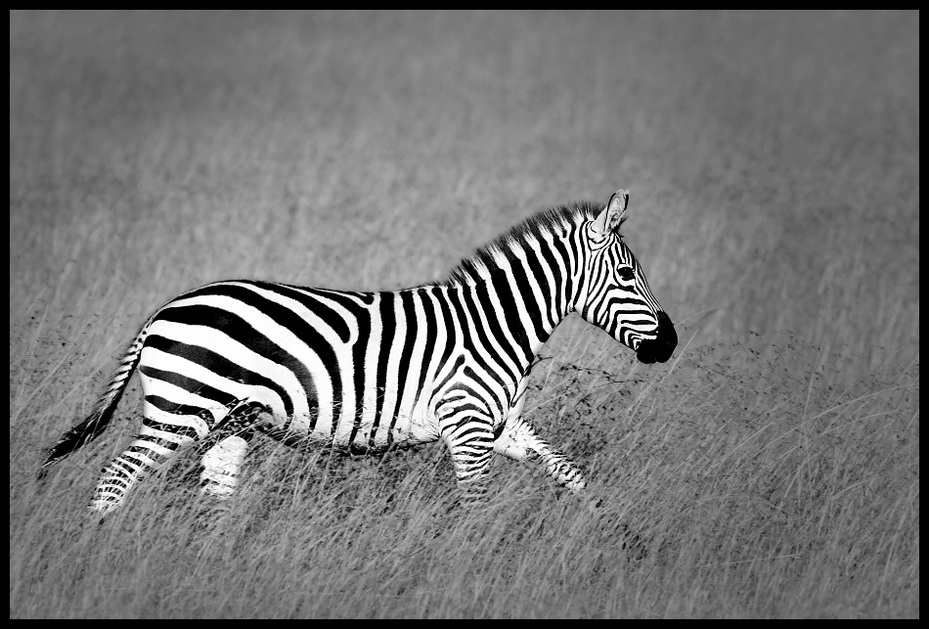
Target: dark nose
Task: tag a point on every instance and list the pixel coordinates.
(662, 346)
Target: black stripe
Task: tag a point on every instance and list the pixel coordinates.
(560, 251)
(431, 332)
(359, 352)
(477, 428)
(572, 254)
(164, 443)
(189, 384)
(442, 297)
(489, 394)
(406, 355)
(526, 294)
(452, 373)
(388, 327)
(186, 431)
(347, 299)
(334, 319)
(511, 314)
(174, 408)
(221, 366)
(537, 277)
(503, 337)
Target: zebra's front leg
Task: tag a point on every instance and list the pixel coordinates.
(470, 441)
(520, 442)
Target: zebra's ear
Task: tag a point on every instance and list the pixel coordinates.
(612, 216)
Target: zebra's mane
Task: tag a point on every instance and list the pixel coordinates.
(489, 257)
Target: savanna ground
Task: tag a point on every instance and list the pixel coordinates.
(770, 469)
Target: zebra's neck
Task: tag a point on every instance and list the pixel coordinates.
(531, 276)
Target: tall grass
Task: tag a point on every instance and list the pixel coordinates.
(772, 469)
(751, 487)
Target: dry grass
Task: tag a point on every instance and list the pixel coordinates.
(773, 162)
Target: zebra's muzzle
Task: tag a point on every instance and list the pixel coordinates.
(660, 348)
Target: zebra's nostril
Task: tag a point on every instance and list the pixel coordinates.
(662, 346)
(666, 332)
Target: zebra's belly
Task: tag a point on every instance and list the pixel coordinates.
(370, 438)
(365, 433)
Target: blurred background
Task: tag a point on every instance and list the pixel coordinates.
(773, 158)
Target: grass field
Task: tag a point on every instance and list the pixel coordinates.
(770, 469)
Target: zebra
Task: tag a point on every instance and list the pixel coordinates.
(369, 371)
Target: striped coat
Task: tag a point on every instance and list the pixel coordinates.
(367, 371)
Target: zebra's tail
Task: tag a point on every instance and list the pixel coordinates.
(100, 417)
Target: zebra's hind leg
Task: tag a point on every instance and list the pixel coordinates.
(222, 462)
(161, 437)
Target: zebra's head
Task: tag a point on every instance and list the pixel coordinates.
(618, 299)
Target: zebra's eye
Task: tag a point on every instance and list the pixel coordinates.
(625, 273)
